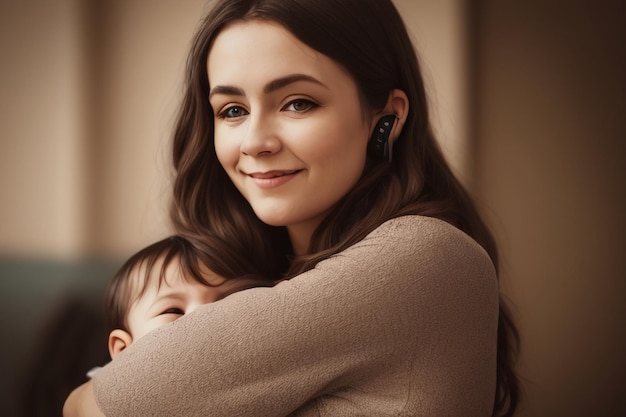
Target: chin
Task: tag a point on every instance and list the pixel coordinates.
(272, 218)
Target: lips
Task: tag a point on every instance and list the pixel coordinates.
(272, 179)
(272, 174)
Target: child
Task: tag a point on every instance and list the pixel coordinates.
(160, 284)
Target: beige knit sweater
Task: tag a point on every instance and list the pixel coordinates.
(401, 324)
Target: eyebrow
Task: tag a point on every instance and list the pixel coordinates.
(168, 295)
(270, 87)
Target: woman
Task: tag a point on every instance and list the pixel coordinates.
(304, 141)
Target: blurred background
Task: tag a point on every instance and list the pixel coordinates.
(529, 102)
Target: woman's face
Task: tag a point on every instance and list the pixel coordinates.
(289, 126)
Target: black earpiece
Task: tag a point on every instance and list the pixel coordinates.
(378, 146)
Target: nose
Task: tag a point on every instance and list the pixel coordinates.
(261, 138)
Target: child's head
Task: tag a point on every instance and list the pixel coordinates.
(160, 284)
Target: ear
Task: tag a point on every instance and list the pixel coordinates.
(397, 104)
(118, 341)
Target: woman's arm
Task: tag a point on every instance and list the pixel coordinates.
(405, 318)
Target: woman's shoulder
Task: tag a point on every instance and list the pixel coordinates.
(412, 248)
(415, 232)
(422, 248)
(417, 224)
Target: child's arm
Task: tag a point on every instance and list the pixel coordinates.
(82, 402)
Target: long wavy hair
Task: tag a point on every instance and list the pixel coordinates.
(368, 39)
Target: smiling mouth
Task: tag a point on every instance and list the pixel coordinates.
(273, 180)
(272, 174)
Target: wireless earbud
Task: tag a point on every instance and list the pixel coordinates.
(378, 146)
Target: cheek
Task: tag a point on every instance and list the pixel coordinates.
(344, 149)
(145, 327)
(226, 151)
(306, 141)
(328, 142)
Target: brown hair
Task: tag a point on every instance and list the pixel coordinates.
(124, 289)
(368, 38)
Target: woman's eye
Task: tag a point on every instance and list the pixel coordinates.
(300, 105)
(233, 112)
(174, 311)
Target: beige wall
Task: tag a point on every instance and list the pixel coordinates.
(141, 51)
(550, 147)
(42, 127)
(88, 97)
(438, 28)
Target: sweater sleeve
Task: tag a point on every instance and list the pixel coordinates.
(406, 318)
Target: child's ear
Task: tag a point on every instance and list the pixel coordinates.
(118, 341)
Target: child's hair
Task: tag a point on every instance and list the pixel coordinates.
(132, 279)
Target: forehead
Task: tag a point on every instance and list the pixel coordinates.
(148, 277)
(265, 49)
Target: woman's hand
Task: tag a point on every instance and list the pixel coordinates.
(82, 403)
